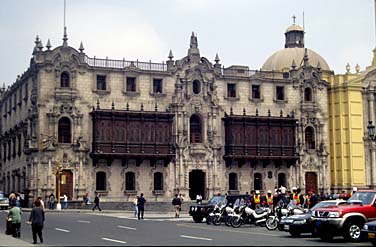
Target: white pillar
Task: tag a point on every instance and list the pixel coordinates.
(371, 103)
(373, 166)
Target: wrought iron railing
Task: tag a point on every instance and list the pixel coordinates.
(122, 64)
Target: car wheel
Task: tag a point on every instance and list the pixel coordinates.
(197, 219)
(373, 242)
(326, 236)
(209, 220)
(295, 233)
(352, 231)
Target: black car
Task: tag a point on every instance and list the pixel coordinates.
(302, 223)
(202, 211)
(369, 232)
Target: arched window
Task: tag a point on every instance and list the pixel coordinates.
(64, 79)
(130, 181)
(196, 87)
(195, 129)
(257, 181)
(281, 180)
(158, 181)
(308, 94)
(100, 181)
(233, 181)
(64, 130)
(310, 138)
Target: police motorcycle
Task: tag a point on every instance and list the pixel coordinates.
(220, 216)
(280, 211)
(212, 214)
(293, 209)
(246, 215)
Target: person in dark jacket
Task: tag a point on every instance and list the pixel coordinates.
(36, 220)
(96, 201)
(177, 205)
(141, 204)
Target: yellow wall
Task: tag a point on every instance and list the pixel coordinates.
(347, 161)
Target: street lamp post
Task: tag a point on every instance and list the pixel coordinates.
(371, 130)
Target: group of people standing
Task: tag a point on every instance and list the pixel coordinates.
(36, 220)
(280, 196)
(139, 206)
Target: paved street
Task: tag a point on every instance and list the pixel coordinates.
(117, 228)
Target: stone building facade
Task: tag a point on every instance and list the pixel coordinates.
(188, 125)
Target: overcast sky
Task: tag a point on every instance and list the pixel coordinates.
(242, 32)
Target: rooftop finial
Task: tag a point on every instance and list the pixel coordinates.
(40, 46)
(305, 58)
(357, 68)
(65, 39)
(293, 65)
(170, 56)
(194, 43)
(348, 68)
(81, 47)
(48, 45)
(293, 18)
(217, 58)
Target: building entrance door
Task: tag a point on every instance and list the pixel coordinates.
(311, 181)
(66, 184)
(196, 184)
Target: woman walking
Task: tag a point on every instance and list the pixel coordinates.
(15, 215)
(36, 220)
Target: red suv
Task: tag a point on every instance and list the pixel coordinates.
(346, 219)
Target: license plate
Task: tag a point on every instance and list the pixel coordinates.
(318, 223)
(286, 227)
(371, 235)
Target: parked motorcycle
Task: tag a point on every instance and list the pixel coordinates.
(220, 216)
(212, 213)
(273, 220)
(245, 215)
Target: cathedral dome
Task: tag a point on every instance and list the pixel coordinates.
(294, 27)
(293, 52)
(283, 59)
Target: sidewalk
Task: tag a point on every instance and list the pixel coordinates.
(7, 240)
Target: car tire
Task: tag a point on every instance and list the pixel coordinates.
(352, 231)
(294, 233)
(197, 219)
(373, 242)
(326, 236)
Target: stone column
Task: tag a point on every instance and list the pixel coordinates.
(371, 103)
(373, 166)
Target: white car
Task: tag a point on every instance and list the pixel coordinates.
(4, 202)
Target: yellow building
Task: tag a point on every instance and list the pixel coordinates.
(346, 132)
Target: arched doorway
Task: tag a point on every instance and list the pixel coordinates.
(196, 184)
(66, 184)
(311, 181)
(257, 181)
(282, 180)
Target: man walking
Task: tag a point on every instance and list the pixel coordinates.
(177, 205)
(96, 201)
(140, 204)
